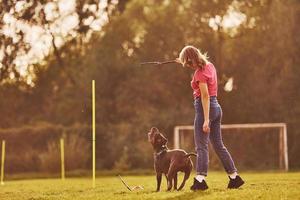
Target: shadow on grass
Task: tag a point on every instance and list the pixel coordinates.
(165, 195)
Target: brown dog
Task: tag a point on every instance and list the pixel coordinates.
(169, 162)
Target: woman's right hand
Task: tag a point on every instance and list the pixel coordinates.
(178, 60)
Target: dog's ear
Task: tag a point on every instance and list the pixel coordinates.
(161, 139)
(154, 129)
(164, 139)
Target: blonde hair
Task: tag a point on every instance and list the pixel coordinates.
(192, 56)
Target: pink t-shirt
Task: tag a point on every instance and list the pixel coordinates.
(209, 76)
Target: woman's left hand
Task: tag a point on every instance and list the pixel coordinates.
(206, 128)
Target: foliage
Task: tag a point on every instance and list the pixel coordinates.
(47, 17)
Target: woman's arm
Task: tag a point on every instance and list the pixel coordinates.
(205, 105)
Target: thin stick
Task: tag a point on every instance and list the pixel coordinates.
(62, 157)
(124, 183)
(94, 131)
(149, 63)
(168, 62)
(2, 162)
(158, 63)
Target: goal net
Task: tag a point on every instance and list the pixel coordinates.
(260, 146)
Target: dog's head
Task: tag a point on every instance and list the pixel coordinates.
(156, 138)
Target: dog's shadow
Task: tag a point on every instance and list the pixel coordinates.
(183, 194)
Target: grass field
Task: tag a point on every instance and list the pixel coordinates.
(269, 185)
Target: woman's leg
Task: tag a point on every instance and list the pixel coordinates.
(217, 142)
(201, 142)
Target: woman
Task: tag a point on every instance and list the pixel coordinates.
(208, 115)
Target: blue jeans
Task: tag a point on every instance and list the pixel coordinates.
(215, 137)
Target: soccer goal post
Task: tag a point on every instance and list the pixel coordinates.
(282, 137)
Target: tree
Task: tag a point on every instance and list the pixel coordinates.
(49, 17)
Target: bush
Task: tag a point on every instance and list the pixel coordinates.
(37, 148)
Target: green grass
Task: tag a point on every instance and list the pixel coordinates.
(269, 185)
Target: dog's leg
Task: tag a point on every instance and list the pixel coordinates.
(171, 174)
(175, 181)
(186, 176)
(170, 180)
(158, 180)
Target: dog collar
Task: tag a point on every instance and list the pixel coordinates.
(161, 151)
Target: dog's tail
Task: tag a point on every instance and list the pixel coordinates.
(190, 154)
